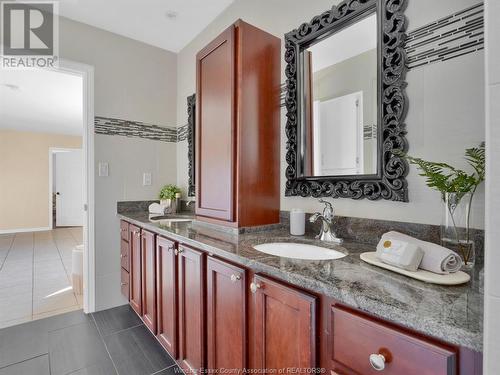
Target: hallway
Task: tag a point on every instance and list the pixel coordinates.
(35, 275)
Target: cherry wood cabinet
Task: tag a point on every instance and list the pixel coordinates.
(191, 292)
(148, 250)
(285, 332)
(238, 128)
(124, 255)
(166, 288)
(124, 259)
(226, 315)
(135, 275)
(212, 314)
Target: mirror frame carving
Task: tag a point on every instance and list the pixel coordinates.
(390, 181)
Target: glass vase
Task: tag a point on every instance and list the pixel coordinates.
(455, 228)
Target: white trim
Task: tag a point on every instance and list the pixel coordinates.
(87, 73)
(23, 230)
(52, 151)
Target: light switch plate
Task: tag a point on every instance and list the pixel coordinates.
(103, 169)
(146, 179)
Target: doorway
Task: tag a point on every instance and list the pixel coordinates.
(66, 187)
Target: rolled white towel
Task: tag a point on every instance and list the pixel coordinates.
(437, 259)
(156, 208)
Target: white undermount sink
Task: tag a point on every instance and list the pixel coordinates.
(299, 251)
(166, 219)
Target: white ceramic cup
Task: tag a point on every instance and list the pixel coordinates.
(297, 222)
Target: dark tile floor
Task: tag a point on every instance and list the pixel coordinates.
(110, 342)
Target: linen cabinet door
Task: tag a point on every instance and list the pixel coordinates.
(166, 286)
(135, 269)
(215, 128)
(149, 280)
(191, 264)
(285, 326)
(226, 316)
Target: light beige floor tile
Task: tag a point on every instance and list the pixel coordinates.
(54, 302)
(56, 312)
(14, 322)
(49, 287)
(15, 306)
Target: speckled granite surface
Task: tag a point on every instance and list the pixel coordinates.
(453, 314)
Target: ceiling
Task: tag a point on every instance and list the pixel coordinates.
(41, 101)
(349, 42)
(147, 21)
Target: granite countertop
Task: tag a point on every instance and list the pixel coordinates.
(453, 314)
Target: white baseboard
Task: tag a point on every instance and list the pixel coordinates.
(23, 230)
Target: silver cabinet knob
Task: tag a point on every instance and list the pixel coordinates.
(377, 361)
(171, 248)
(177, 252)
(123, 284)
(123, 229)
(123, 255)
(235, 278)
(254, 287)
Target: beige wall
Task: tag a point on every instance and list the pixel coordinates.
(446, 104)
(24, 177)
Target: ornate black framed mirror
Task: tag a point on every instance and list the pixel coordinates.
(191, 110)
(346, 103)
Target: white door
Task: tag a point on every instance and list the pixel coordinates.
(69, 188)
(340, 136)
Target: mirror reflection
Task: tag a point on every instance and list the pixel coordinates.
(340, 108)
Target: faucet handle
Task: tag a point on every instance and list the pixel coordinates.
(328, 210)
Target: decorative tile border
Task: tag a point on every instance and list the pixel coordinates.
(136, 129)
(182, 133)
(450, 37)
(456, 35)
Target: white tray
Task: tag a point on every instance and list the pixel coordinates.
(422, 275)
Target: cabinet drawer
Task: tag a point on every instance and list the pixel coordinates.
(356, 337)
(124, 255)
(125, 286)
(124, 230)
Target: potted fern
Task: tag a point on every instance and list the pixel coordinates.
(457, 188)
(168, 193)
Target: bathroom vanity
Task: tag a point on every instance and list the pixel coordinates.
(213, 301)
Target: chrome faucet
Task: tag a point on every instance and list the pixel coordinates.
(189, 203)
(326, 233)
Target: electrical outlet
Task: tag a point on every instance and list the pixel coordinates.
(103, 169)
(146, 179)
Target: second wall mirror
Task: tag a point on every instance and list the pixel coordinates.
(346, 103)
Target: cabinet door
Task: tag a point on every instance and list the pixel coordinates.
(226, 315)
(166, 284)
(135, 269)
(191, 309)
(149, 280)
(285, 326)
(215, 127)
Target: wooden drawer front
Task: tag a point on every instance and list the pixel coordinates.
(355, 338)
(124, 230)
(148, 262)
(124, 255)
(125, 284)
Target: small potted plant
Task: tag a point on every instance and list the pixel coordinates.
(457, 189)
(168, 194)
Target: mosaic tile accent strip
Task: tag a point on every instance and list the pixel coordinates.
(182, 133)
(136, 129)
(456, 35)
(453, 36)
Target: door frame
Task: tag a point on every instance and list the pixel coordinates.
(87, 73)
(52, 152)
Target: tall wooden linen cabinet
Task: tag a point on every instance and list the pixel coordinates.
(238, 128)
